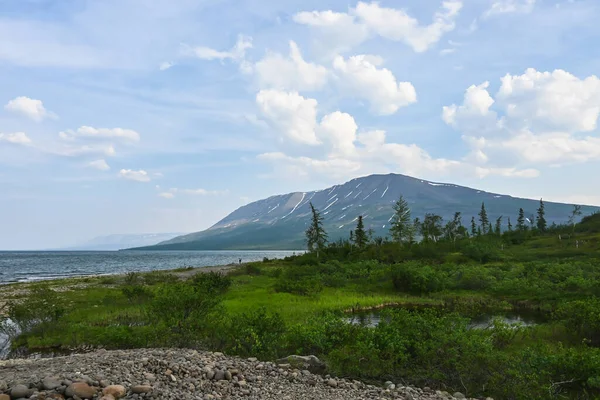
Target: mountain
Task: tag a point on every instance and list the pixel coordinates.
(122, 241)
(279, 222)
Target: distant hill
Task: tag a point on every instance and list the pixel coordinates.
(279, 222)
(122, 241)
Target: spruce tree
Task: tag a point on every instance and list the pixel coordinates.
(574, 214)
(509, 225)
(473, 227)
(316, 237)
(360, 235)
(541, 217)
(498, 229)
(521, 221)
(483, 219)
(401, 223)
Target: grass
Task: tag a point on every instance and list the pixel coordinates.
(251, 292)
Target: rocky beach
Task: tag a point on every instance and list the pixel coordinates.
(186, 375)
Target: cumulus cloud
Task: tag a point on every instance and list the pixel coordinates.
(30, 108)
(347, 153)
(237, 53)
(194, 192)
(510, 6)
(343, 31)
(360, 77)
(138, 176)
(536, 119)
(291, 114)
(340, 130)
(290, 73)
(100, 165)
(100, 133)
(15, 138)
(70, 150)
(165, 65)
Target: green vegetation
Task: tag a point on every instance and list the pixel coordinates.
(432, 289)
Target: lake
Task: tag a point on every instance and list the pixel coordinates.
(31, 266)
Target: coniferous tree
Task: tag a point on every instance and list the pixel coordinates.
(521, 221)
(360, 235)
(316, 237)
(541, 217)
(574, 214)
(416, 226)
(473, 227)
(483, 219)
(498, 229)
(431, 228)
(532, 221)
(401, 229)
(509, 225)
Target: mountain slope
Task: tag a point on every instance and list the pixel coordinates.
(120, 241)
(279, 222)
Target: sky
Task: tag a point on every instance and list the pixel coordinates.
(135, 116)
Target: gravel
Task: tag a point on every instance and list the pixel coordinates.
(183, 374)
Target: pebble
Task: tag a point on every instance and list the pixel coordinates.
(179, 374)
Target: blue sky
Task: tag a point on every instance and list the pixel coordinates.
(134, 116)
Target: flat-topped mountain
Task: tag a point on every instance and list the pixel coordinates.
(279, 222)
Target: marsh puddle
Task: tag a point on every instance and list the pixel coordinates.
(483, 321)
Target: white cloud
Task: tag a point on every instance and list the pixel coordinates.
(290, 114)
(292, 73)
(31, 108)
(100, 133)
(237, 53)
(361, 78)
(397, 25)
(15, 138)
(340, 130)
(534, 119)
(100, 165)
(166, 195)
(510, 6)
(342, 31)
(139, 176)
(445, 52)
(556, 100)
(336, 168)
(165, 65)
(203, 192)
(85, 150)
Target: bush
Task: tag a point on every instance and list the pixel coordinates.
(582, 317)
(258, 333)
(136, 294)
(482, 251)
(38, 313)
(186, 309)
(252, 269)
(415, 278)
(303, 281)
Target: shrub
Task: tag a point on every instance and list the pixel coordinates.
(252, 269)
(415, 278)
(136, 294)
(38, 313)
(258, 333)
(302, 281)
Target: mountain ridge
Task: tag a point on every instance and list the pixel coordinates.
(279, 221)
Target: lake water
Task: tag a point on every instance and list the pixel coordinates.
(34, 266)
(483, 321)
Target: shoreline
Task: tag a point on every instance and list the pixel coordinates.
(14, 290)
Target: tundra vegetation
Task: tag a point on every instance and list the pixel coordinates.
(430, 279)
